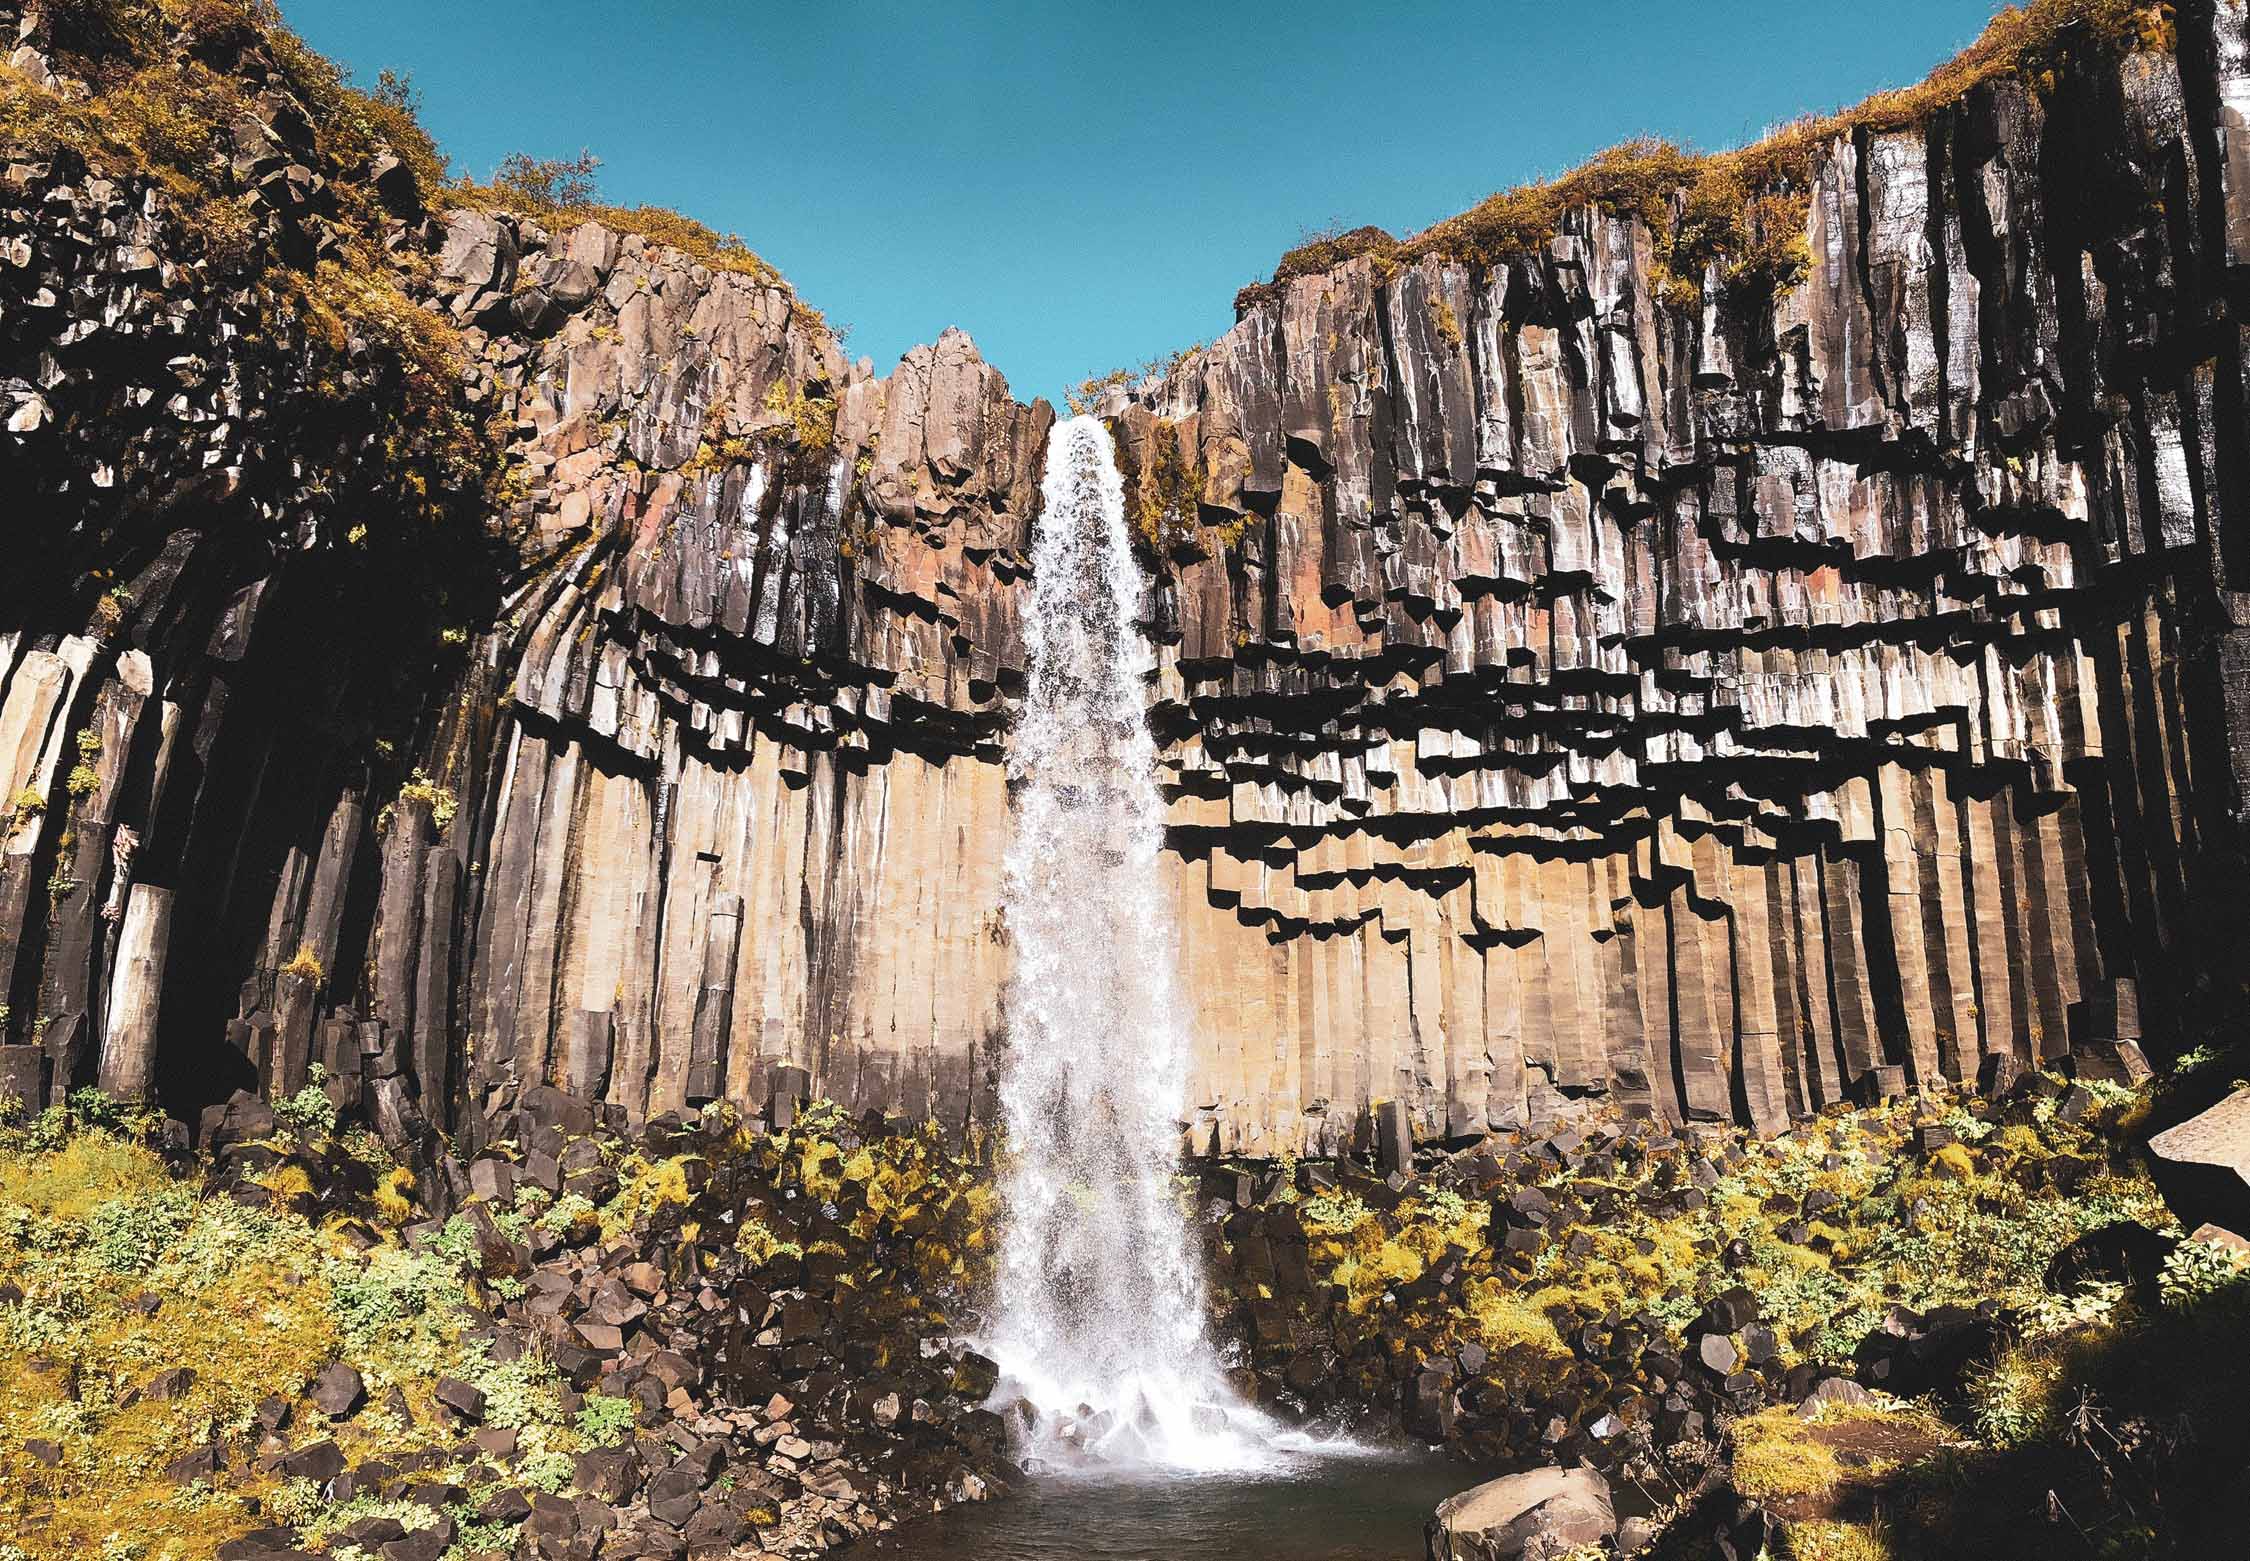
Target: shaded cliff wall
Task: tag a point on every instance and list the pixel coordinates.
(1565, 696)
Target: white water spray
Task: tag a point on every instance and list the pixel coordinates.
(1099, 1328)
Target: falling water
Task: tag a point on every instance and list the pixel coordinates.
(1099, 1328)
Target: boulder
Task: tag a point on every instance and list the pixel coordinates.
(2219, 1236)
(338, 1391)
(1535, 1516)
(1833, 1390)
(464, 1399)
(2112, 1062)
(1913, 1352)
(320, 1463)
(2202, 1166)
(1730, 1311)
(1394, 1139)
(1718, 1354)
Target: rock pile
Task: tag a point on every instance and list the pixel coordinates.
(773, 1326)
(1606, 1295)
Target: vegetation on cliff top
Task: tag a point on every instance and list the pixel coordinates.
(293, 183)
(1743, 210)
(167, 83)
(557, 191)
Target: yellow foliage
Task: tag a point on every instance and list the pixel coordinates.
(819, 1167)
(1505, 1321)
(1954, 1160)
(811, 419)
(305, 963)
(1774, 1456)
(394, 1196)
(643, 1186)
(250, 1330)
(286, 1181)
(89, 1170)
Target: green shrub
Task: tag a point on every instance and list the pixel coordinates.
(309, 1113)
(399, 1310)
(572, 1212)
(561, 183)
(2197, 1270)
(549, 1472)
(518, 1394)
(128, 1235)
(606, 1421)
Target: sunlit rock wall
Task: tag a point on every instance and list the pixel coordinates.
(1565, 698)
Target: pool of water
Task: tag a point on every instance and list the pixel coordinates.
(1364, 1507)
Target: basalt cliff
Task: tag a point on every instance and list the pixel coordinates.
(470, 645)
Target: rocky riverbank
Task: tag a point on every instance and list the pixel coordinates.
(717, 1337)
(705, 1339)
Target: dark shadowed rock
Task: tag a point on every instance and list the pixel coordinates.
(320, 1462)
(2202, 1166)
(2122, 1252)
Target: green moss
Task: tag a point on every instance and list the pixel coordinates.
(88, 1225)
(1820, 1539)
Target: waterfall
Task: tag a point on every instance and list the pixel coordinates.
(1099, 1324)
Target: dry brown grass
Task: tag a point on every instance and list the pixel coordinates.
(1743, 210)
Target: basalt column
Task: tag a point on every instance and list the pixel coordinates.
(1576, 681)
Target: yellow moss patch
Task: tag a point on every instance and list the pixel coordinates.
(286, 1181)
(1776, 1456)
(394, 1196)
(643, 1186)
(1818, 1540)
(91, 1169)
(1954, 1160)
(85, 1231)
(1506, 1321)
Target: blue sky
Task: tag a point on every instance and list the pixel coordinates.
(1082, 186)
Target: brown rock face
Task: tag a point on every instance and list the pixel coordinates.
(1566, 695)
